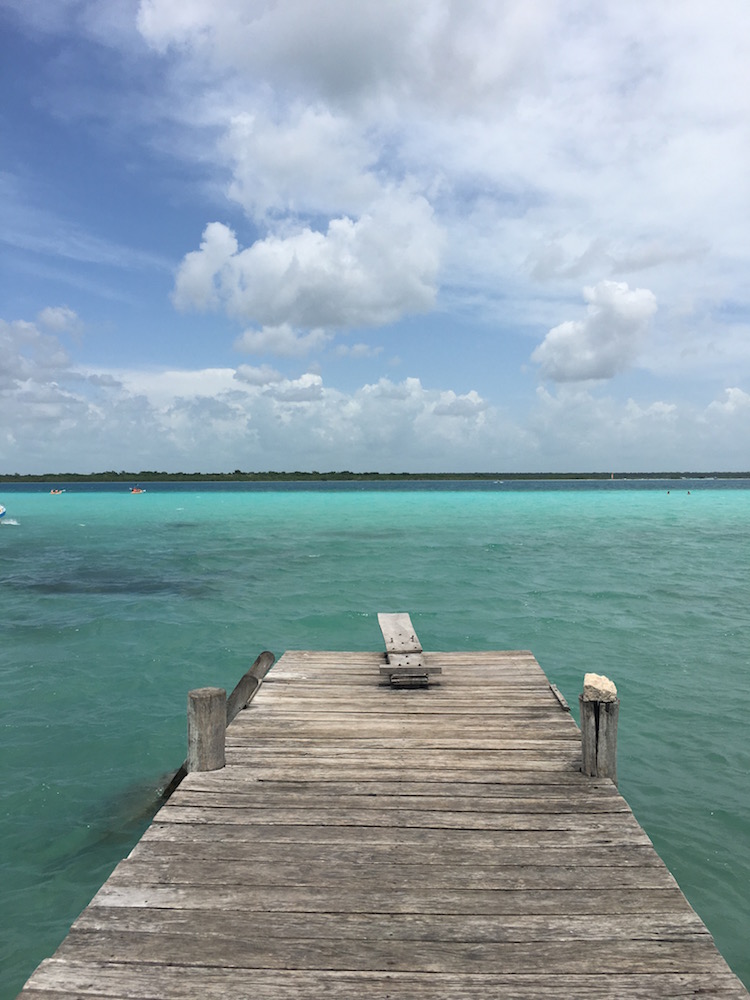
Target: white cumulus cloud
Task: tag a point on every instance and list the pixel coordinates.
(283, 341)
(260, 376)
(299, 390)
(363, 272)
(313, 162)
(603, 344)
(736, 402)
(63, 418)
(58, 318)
(28, 355)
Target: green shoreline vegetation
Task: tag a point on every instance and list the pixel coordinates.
(269, 477)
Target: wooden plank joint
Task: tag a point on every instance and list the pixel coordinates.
(409, 677)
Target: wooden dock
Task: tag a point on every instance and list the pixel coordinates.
(406, 842)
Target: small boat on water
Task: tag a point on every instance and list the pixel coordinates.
(136, 489)
(2, 511)
(54, 492)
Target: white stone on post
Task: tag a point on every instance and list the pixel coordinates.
(600, 708)
(207, 726)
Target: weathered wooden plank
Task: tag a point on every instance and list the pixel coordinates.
(392, 704)
(333, 769)
(115, 981)
(326, 657)
(493, 836)
(328, 741)
(215, 846)
(275, 720)
(175, 870)
(582, 790)
(417, 928)
(399, 633)
(328, 769)
(498, 711)
(372, 726)
(355, 899)
(500, 673)
(370, 682)
(265, 796)
(451, 840)
(316, 773)
(507, 725)
(448, 752)
(418, 760)
(619, 825)
(471, 661)
(405, 663)
(246, 949)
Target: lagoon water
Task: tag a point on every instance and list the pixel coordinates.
(113, 606)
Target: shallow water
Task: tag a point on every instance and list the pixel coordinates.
(114, 606)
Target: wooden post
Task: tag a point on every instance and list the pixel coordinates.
(207, 726)
(600, 709)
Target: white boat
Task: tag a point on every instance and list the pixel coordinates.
(2, 510)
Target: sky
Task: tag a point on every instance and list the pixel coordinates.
(374, 235)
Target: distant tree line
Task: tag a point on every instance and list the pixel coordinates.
(251, 477)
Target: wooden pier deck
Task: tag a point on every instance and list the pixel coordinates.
(370, 842)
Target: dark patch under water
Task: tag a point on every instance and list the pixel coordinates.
(138, 586)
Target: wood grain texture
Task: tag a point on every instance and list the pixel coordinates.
(398, 633)
(364, 842)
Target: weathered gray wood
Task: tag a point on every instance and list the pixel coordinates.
(116, 981)
(398, 633)
(558, 694)
(263, 795)
(343, 733)
(497, 837)
(247, 949)
(213, 842)
(398, 927)
(451, 759)
(534, 712)
(240, 698)
(406, 667)
(614, 826)
(176, 871)
(599, 737)
(355, 770)
(248, 685)
(358, 899)
(207, 723)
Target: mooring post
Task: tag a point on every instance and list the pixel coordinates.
(600, 708)
(207, 726)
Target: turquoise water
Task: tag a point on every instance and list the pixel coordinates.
(114, 606)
